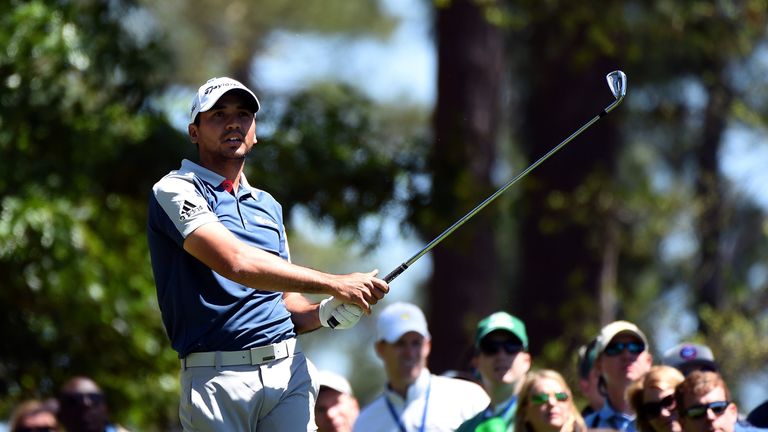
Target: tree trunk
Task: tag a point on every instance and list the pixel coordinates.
(466, 122)
(709, 288)
(569, 250)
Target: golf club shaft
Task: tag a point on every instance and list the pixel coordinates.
(402, 267)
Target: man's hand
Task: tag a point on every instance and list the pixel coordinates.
(347, 315)
(360, 289)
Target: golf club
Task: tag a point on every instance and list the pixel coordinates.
(617, 82)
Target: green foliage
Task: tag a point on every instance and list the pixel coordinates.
(77, 290)
(346, 163)
(80, 146)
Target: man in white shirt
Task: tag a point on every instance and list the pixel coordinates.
(414, 399)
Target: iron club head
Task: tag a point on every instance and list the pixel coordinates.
(617, 81)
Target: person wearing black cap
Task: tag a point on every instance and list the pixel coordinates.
(230, 298)
(502, 360)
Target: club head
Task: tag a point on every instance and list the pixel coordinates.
(617, 81)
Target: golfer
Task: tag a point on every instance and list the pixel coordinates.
(230, 298)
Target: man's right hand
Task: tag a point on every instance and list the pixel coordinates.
(361, 289)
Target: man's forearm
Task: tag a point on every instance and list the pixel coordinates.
(304, 314)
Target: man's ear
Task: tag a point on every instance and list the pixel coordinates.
(192, 130)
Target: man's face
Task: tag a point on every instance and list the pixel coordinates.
(710, 412)
(621, 362)
(405, 358)
(82, 407)
(227, 131)
(335, 411)
(501, 359)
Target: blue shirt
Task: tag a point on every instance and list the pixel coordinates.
(202, 310)
(608, 417)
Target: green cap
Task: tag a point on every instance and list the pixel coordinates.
(501, 321)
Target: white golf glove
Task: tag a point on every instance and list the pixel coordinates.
(346, 314)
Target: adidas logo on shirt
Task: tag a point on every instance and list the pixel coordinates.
(188, 210)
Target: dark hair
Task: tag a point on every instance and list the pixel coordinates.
(586, 359)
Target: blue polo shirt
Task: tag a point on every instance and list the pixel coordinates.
(202, 310)
(610, 418)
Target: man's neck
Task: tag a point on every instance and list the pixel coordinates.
(400, 385)
(230, 169)
(618, 402)
(500, 391)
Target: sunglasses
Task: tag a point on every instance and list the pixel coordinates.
(699, 411)
(653, 409)
(490, 347)
(615, 348)
(81, 398)
(35, 429)
(542, 398)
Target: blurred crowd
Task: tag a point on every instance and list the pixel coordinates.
(80, 406)
(623, 389)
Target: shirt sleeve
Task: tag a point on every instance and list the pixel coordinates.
(183, 203)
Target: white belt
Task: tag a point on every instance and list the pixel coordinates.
(253, 356)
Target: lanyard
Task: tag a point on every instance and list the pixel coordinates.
(504, 413)
(397, 418)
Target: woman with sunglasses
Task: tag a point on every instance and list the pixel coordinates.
(653, 399)
(546, 404)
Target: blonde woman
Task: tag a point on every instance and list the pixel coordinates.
(546, 404)
(652, 397)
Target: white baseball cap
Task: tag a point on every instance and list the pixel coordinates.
(334, 381)
(212, 90)
(400, 318)
(689, 354)
(613, 329)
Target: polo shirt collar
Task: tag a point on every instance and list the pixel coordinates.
(609, 412)
(211, 177)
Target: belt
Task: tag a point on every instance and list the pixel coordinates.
(253, 356)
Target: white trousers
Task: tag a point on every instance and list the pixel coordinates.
(275, 396)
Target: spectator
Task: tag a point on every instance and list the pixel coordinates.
(336, 408)
(546, 405)
(653, 399)
(502, 360)
(622, 357)
(33, 416)
(589, 378)
(83, 407)
(705, 404)
(688, 357)
(415, 399)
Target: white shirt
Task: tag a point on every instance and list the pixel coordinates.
(451, 402)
